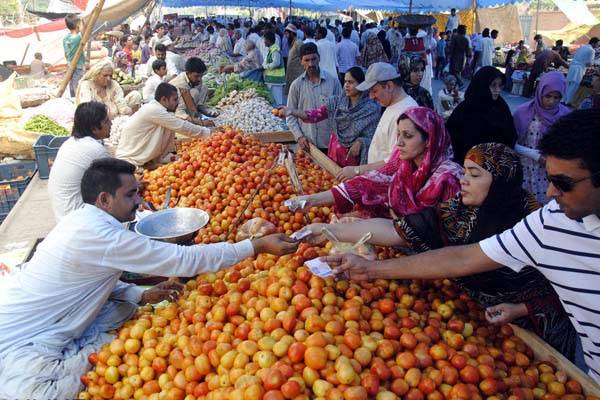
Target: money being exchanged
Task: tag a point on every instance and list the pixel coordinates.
(294, 204)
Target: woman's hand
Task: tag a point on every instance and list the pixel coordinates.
(349, 266)
(347, 173)
(505, 313)
(354, 150)
(316, 238)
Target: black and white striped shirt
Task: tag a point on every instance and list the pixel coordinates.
(567, 252)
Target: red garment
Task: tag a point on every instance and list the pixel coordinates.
(414, 44)
(338, 153)
(398, 184)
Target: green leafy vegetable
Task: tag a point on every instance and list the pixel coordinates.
(43, 124)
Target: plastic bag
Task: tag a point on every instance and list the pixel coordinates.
(10, 103)
(361, 248)
(255, 228)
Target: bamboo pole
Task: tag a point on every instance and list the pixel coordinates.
(84, 39)
(149, 13)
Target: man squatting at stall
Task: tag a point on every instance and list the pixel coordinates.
(59, 309)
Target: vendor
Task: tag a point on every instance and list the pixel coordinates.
(239, 49)
(250, 67)
(90, 125)
(97, 85)
(148, 138)
(274, 72)
(61, 306)
(160, 53)
(583, 58)
(192, 94)
(37, 67)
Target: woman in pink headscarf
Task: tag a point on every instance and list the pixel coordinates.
(420, 173)
(532, 119)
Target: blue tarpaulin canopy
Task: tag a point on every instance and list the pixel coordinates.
(418, 6)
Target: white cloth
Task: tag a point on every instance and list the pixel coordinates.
(213, 39)
(330, 36)
(327, 58)
(150, 87)
(240, 47)
(172, 69)
(68, 283)
(149, 134)
(355, 37)
(346, 52)
(566, 251)
(528, 152)
(176, 61)
(64, 183)
(309, 40)
(154, 40)
(254, 38)
(386, 132)
(487, 51)
(452, 23)
(583, 57)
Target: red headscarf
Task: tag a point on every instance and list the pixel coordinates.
(398, 184)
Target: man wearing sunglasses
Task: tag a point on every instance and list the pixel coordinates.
(562, 240)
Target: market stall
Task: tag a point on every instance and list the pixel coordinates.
(275, 327)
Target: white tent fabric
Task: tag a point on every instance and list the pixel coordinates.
(577, 11)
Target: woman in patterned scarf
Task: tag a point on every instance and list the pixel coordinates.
(353, 118)
(419, 174)
(491, 200)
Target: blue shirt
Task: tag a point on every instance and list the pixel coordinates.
(441, 48)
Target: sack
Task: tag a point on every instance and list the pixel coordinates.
(10, 102)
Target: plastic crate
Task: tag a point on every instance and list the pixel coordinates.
(46, 148)
(14, 178)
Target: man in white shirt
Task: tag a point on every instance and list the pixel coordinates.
(90, 126)
(309, 36)
(148, 137)
(239, 49)
(160, 53)
(160, 37)
(487, 48)
(327, 53)
(582, 59)
(561, 240)
(61, 306)
(330, 35)
(159, 71)
(453, 21)
(385, 87)
(346, 52)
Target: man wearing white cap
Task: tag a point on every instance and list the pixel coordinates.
(294, 67)
(385, 87)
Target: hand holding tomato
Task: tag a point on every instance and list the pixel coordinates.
(168, 290)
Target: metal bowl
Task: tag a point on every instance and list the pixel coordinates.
(173, 225)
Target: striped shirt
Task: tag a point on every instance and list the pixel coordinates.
(307, 95)
(567, 252)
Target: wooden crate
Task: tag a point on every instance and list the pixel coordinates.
(544, 352)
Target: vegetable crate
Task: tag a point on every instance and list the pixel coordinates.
(46, 148)
(14, 178)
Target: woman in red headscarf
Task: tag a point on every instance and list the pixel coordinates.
(420, 173)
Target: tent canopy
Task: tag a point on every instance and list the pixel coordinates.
(418, 6)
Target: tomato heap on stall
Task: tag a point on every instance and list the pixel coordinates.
(267, 329)
(221, 174)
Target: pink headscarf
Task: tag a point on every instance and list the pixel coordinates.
(549, 82)
(398, 184)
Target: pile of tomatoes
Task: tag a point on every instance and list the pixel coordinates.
(267, 329)
(224, 173)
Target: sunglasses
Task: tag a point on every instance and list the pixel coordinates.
(566, 184)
